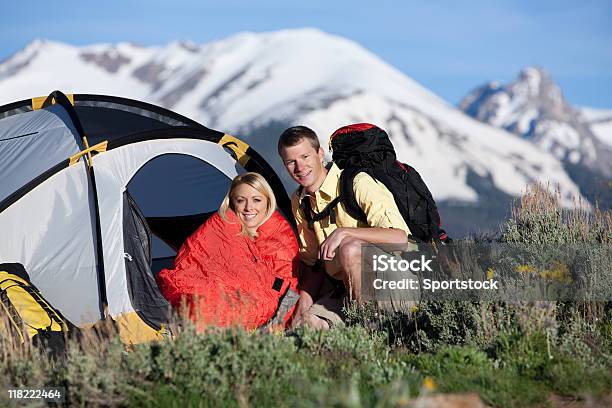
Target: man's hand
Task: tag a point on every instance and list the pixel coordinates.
(373, 235)
(303, 316)
(328, 248)
(304, 303)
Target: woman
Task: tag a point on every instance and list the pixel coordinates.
(240, 266)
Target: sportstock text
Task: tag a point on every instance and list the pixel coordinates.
(387, 263)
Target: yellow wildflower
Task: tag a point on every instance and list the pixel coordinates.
(525, 269)
(429, 384)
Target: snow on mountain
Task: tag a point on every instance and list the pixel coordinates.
(533, 107)
(44, 66)
(255, 85)
(600, 122)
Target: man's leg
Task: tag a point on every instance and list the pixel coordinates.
(327, 310)
(349, 256)
(315, 322)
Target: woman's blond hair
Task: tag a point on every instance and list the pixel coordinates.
(260, 184)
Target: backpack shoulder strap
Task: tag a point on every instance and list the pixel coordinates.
(328, 211)
(305, 208)
(312, 217)
(347, 194)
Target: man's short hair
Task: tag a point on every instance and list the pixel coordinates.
(295, 134)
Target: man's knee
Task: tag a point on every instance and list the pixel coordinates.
(350, 251)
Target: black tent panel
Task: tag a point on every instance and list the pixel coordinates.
(109, 118)
(135, 107)
(102, 123)
(15, 108)
(146, 299)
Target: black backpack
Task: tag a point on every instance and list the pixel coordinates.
(366, 148)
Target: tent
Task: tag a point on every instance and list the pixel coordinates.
(98, 192)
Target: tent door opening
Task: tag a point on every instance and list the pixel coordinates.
(186, 192)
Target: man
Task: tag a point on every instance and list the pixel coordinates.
(337, 242)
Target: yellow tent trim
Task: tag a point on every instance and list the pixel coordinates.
(100, 147)
(44, 101)
(133, 330)
(237, 146)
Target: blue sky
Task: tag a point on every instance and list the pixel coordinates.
(448, 46)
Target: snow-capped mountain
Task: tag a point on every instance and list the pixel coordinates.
(600, 122)
(255, 85)
(533, 107)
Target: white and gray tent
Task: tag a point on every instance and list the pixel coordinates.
(98, 192)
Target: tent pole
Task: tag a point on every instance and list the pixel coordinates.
(99, 248)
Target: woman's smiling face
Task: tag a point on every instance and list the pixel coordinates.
(249, 205)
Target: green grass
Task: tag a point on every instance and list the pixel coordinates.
(352, 366)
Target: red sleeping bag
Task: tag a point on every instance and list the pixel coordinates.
(227, 279)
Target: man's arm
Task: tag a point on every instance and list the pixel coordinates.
(386, 224)
(378, 204)
(374, 235)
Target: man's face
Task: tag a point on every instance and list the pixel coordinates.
(305, 165)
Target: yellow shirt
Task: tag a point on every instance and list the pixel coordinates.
(372, 196)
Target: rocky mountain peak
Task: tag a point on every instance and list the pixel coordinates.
(515, 106)
(539, 91)
(533, 107)
(531, 79)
